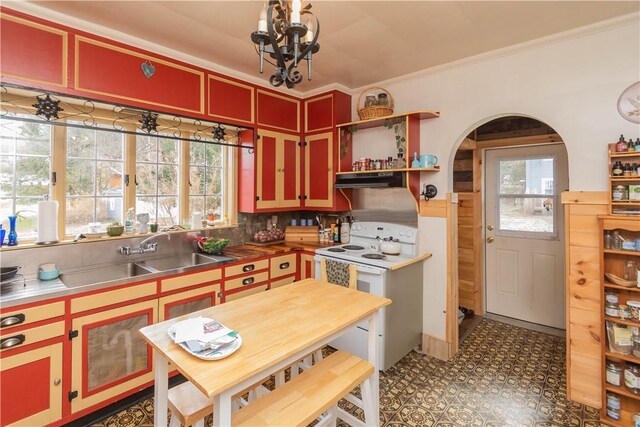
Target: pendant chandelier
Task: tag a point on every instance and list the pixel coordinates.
(282, 35)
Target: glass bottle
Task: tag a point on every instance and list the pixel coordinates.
(630, 145)
(621, 144)
(129, 221)
(627, 171)
(608, 240)
(630, 271)
(617, 168)
(616, 244)
(12, 238)
(637, 144)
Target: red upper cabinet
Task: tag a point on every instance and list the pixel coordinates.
(278, 111)
(319, 173)
(173, 86)
(32, 54)
(318, 114)
(230, 100)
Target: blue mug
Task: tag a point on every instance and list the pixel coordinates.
(428, 160)
(2, 233)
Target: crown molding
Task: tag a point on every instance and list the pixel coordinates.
(118, 36)
(564, 36)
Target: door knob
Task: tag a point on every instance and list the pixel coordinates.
(489, 239)
(57, 381)
(490, 227)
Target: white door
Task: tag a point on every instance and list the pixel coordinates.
(524, 236)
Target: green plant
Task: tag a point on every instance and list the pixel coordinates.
(115, 224)
(346, 137)
(399, 126)
(212, 245)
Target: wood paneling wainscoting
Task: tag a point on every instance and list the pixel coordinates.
(582, 276)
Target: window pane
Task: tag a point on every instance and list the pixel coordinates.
(146, 149)
(27, 222)
(109, 178)
(167, 180)
(109, 146)
(214, 181)
(146, 176)
(526, 176)
(196, 154)
(80, 177)
(527, 214)
(80, 212)
(214, 155)
(196, 179)
(196, 204)
(32, 176)
(6, 176)
(147, 205)
(167, 211)
(108, 209)
(33, 138)
(81, 143)
(207, 181)
(213, 205)
(167, 151)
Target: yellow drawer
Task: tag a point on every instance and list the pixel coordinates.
(115, 296)
(190, 280)
(282, 282)
(11, 318)
(10, 339)
(246, 293)
(246, 267)
(283, 265)
(245, 281)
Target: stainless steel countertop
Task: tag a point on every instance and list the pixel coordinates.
(32, 289)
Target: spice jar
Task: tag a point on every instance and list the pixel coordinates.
(635, 339)
(614, 374)
(370, 100)
(617, 169)
(611, 309)
(611, 297)
(624, 312)
(632, 377)
(620, 192)
(613, 406)
(383, 99)
(634, 310)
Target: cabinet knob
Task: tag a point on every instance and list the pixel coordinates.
(489, 239)
(57, 381)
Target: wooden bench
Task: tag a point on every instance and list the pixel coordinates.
(301, 400)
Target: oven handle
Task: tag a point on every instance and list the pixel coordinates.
(360, 267)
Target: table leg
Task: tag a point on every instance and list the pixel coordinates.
(222, 409)
(161, 389)
(373, 352)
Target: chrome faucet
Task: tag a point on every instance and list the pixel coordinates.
(144, 247)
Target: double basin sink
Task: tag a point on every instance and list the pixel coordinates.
(134, 270)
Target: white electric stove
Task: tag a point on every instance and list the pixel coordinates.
(390, 276)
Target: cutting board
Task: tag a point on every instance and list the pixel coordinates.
(301, 234)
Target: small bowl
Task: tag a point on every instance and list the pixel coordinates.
(115, 230)
(48, 275)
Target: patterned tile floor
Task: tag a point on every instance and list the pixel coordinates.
(503, 375)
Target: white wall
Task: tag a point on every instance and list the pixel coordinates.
(572, 85)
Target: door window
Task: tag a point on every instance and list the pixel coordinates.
(527, 196)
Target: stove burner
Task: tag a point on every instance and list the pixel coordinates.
(373, 256)
(336, 250)
(353, 247)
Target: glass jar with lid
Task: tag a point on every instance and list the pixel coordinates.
(635, 339)
(613, 406)
(611, 309)
(383, 99)
(632, 377)
(614, 374)
(370, 100)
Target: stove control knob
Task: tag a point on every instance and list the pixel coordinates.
(402, 233)
(408, 234)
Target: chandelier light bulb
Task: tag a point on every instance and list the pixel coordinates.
(295, 12)
(308, 38)
(262, 23)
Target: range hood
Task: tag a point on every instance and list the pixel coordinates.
(375, 179)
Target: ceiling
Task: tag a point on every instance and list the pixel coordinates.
(362, 42)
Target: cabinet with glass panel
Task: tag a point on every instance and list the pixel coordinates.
(624, 181)
(620, 319)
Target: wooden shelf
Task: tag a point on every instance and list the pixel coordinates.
(379, 121)
(625, 154)
(624, 178)
(622, 391)
(631, 359)
(610, 285)
(618, 252)
(622, 322)
(626, 202)
(391, 170)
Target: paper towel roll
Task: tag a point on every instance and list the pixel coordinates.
(47, 222)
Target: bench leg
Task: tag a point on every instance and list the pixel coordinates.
(371, 418)
(280, 378)
(332, 413)
(175, 422)
(317, 355)
(199, 423)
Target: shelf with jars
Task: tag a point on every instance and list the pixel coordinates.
(620, 319)
(624, 177)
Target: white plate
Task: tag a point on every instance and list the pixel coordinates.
(224, 352)
(93, 235)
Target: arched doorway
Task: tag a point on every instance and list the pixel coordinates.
(509, 173)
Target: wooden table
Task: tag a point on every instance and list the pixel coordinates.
(278, 327)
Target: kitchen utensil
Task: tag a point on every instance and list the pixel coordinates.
(48, 275)
(7, 273)
(389, 246)
(428, 160)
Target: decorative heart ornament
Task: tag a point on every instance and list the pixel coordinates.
(148, 69)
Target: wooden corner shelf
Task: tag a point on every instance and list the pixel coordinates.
(390, 170)
(623, 206)
(380, 121)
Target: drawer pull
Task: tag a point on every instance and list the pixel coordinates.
(284, 266)
(249, 267)
(248, 281)
(12, 341)
(57, 381)
(15, 319)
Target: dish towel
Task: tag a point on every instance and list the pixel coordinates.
(338, 273)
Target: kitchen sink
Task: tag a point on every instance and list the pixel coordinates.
(182, 261)
(104, 274)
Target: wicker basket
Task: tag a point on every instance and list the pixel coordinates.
(374, 111)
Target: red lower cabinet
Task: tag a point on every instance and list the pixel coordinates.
(109, 357)
(31, 386)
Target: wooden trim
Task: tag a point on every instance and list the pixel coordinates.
(436, 347)
(378, 121)
(37, 333)
(192, 279)
(585, 197)
(280, 179)
(422, 257)
(238, 269)
(208, 290)
(184, 191)
(521, 140)
(245, 293)
(115, 296)
(238, 283)
(65, 49)
(306, 113)
(34, 314)
(452, 273)
(231, 82)
(297, 102)
(282, 282)
(434, 208)
(275, 271)
(76, 83)
(59, 166)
